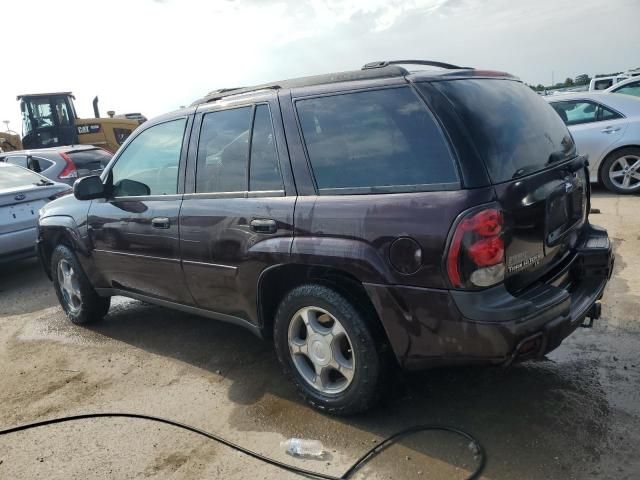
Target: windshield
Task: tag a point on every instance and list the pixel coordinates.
(41, 113)
(12, 176)
(515, 131)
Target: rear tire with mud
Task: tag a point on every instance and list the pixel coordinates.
(327, 349)
(77, 296)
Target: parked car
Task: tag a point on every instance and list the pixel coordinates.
(630, 86)
(602, 83)
(361, 220)
(61, 164)
(606, 128)
(22, 194)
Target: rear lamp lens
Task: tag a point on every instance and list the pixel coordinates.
(476, 253)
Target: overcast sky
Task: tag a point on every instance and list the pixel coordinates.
(152, 56)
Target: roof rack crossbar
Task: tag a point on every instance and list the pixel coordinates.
(430, 63)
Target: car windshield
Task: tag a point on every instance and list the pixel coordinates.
(516, 132)
(12, 176)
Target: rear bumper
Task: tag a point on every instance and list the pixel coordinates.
(429, 327)
(18, 244)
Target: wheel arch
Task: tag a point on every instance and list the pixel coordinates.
(53, 231)
(276, 281)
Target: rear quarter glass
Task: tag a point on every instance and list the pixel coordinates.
(375, 141)
(515, 131)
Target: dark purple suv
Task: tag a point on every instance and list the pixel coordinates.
(361, 220)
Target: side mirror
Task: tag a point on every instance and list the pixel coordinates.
(88, 188)
(130, 188)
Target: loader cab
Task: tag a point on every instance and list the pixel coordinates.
(48, 120)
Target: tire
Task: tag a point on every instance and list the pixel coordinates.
(75, 293)
(614, 164)
(349, 341)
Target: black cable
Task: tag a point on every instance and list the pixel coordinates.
(387, 442)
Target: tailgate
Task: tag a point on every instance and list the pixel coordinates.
(543, 214)
(530, 156)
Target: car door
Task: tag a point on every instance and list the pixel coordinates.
(134, 231)
(594, 127)
(238, 217)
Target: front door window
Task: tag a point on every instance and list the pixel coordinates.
(149, 164)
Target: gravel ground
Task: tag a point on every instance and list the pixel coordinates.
(574, 415)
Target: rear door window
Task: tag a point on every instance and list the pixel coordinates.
(515, 131)
(20, 160)
(264, 171)
(577, 112)
(37, 164)
(382, 140)
(223, 151)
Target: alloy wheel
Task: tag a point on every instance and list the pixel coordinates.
(321, 350)
(69, 285)
(624, 173)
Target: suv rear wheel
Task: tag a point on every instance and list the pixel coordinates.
(325, 347)
(77, 297)
(621, 171)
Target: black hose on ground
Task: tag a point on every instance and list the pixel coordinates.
(387, 442)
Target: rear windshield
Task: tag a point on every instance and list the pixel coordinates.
(95, 159)
(381, 140)
(16, 177)
(515, 131)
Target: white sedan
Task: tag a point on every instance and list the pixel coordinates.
(606, 127)
(22, 194)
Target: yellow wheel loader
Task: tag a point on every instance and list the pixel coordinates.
(50, 120)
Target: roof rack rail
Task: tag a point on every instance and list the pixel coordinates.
(386, 63)
(228, 92)
(223, 90)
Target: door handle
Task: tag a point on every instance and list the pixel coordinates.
(610, 129)
(160, 222)
(264, 225)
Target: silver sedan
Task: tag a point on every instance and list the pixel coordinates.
(22, 194)
(606, 127)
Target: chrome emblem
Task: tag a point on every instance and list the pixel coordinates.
(20, 196)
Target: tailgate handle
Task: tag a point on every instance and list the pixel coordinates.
(261, 225)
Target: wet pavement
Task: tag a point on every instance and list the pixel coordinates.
(574, 415)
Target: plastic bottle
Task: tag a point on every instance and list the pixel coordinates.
(300, 447)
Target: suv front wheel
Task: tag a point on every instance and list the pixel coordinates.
(326, 348)
(77, 297)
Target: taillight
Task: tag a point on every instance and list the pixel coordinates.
(69, 170)
(476, 252)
